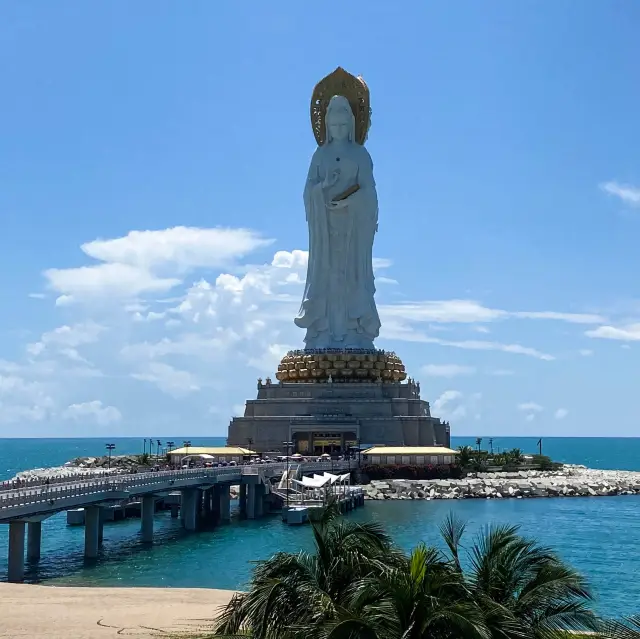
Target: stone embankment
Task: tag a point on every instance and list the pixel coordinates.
(82, 467)
(570, 481)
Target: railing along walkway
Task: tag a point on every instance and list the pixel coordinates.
(143, 482)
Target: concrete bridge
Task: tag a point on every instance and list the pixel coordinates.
(203, 491)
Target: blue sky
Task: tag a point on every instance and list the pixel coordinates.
(152, 161)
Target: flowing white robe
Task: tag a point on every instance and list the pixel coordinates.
(338, 307)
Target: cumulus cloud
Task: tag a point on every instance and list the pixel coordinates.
(65, 339)
(446, 370)
(23, 400)
(561, 413)
(134, 264)
(168, 379)
(455, 405)
(193, 316)
(92, 412)
(628, 193)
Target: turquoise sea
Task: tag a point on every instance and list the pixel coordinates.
(599, 536)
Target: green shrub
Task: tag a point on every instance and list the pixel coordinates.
(545, 462)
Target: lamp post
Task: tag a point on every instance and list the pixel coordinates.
(288, 446)
(186, 443)
(144, 446)
(159, 446)
(110, 447)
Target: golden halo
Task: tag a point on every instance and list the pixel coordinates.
(339, 82)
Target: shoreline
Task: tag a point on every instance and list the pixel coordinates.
(569, 481)
(84, 612)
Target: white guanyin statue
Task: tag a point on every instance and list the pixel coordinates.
(338, 309)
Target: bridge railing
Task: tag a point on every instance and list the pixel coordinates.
(127, 483)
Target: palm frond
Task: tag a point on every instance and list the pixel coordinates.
(621, 629)
(451, 530)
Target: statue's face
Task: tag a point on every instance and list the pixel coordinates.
(339, 122)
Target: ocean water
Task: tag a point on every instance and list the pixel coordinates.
(599, 536)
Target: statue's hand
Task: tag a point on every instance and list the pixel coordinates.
(331, 180)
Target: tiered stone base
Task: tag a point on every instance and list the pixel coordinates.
(348, 365)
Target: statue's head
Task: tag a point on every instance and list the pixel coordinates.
(339, 120)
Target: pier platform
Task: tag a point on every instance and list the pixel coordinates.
(193, 495)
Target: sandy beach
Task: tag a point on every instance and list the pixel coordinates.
(44, 612)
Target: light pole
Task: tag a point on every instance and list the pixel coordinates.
(288, 448)
(186, 443)
(110, 447)
(144, 446)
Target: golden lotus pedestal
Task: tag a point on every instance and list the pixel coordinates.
(349, 365)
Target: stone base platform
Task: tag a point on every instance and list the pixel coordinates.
(323, 416)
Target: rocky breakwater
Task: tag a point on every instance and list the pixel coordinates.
(570, 481)
(80, 468)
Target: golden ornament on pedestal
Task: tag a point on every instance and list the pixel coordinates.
(342, 366)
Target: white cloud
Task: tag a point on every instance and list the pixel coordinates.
(628, 193)
(66, 339)
(561, 413)
(454, 405)
(585, 352)
(93, 411)
(193, 343)
(530, 407)
(628, 333)
(105, 280)
(449, 405)
(447, 311)
(446, 370)
(469, 311)
(23, 400)
(168, 379)
(179, 247)
(134, 264)
(530, 417)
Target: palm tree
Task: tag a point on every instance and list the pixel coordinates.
(418, 596)
(465, 456)
(524, 589)
(516, 455)
(478, 442)
(293, 593)
(355, 586)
